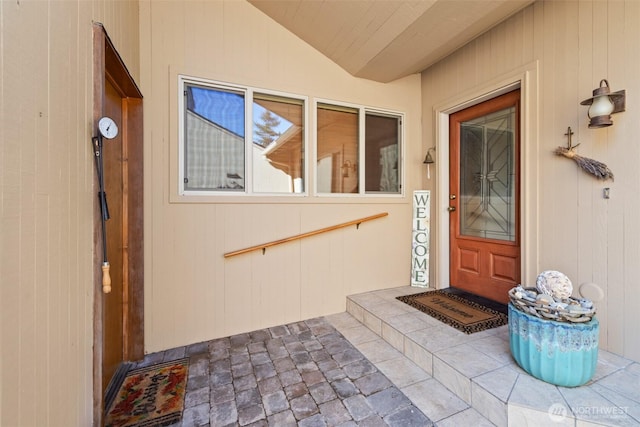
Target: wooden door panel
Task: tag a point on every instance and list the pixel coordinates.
(505, 267)
(469, 260)
(114, 183)
(118, 316)
(489, 271)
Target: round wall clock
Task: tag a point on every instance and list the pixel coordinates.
(108, 128)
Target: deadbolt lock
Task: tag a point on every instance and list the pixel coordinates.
(451, 208)
(452, 196)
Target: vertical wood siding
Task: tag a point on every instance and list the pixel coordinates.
(577, 43)
(191, 292)
(46, 204)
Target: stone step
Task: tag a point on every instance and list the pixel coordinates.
(479, 370)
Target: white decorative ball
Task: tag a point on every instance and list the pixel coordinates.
(554, 283)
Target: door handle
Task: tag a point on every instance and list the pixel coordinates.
(451, 208)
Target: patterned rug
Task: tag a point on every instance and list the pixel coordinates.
(150, 397)
(456, 310)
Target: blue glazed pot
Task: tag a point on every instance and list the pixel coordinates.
(560, 353)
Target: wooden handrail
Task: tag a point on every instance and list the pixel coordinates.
(264, 246)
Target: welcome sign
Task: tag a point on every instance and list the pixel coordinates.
(420, 238)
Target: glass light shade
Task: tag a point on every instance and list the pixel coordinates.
(601, 106)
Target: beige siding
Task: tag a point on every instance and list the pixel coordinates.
(580, 233)
(46, 204)
(191, 292)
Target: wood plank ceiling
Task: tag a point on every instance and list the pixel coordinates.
(384, 40)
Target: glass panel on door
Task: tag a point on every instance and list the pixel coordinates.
(487, 180)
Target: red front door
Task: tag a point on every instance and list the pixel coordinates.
(484, 195)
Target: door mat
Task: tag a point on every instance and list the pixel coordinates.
(150, 397)
(456, 310)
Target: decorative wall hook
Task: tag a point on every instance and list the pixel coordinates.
(594, 167)
(569, 134)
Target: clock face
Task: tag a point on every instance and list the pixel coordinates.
(108, 128)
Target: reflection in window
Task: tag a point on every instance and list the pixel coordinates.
(226, 149)
(241, 141)
(382, 153)
(214, 139)
(278, 144)
(337, 145)
(349, 149)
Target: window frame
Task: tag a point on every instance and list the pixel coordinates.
(362, 112)
(248, 93)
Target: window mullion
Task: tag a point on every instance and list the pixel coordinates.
(248, 141)
(402, 142)
(361, 150)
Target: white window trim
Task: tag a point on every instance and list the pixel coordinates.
(248, 92)
(362, 111)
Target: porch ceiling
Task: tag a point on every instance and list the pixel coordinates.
(384, 40)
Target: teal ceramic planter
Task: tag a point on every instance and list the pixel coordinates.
(560, 353)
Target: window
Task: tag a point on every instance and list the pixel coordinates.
(345, 141)
(382, 153)
(237, 140)
(214, 139)
(221, 154)
(337, 149)
(278, 144)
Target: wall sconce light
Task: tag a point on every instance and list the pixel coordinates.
(428, 160)
(346, 166)
(603, 103)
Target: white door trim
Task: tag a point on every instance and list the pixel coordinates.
(525, 78)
